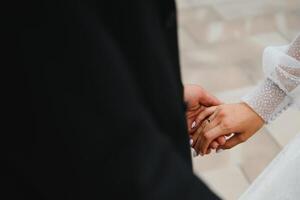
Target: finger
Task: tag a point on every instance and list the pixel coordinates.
(208, 152)
(233, 141)
(197, 137)
(203, 126)
(208, 99)
(205, 114)
(211, 135)
(212, 122)
(198, 143)
(190, 123)
(195, 147)
(221, 140)
(191, 126)
(218, 142)
(214, 145)
(191, 119)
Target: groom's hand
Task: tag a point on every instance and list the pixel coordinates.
(197, 99)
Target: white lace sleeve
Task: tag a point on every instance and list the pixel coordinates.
(281, 87)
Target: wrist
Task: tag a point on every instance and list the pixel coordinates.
(267, 100)
(254, 115)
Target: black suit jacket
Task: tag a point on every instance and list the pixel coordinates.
(98, 104)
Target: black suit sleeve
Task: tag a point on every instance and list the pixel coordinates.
(98, 137)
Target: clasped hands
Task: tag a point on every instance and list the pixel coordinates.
(213, 125)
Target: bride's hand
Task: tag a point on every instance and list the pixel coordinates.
(237, 118)
(201, 121)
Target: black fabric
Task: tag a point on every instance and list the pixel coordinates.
(98, 109)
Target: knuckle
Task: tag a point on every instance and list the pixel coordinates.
(222, 113)
(221, 140)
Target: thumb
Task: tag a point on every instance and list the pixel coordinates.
(209, 100)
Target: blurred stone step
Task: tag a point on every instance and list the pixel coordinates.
(228, 182)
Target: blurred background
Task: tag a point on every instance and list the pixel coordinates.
(221, 44)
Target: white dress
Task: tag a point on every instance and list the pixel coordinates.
(281, 89)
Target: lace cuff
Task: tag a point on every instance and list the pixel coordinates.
(268, 100)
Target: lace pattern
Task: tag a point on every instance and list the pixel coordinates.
(268, 100)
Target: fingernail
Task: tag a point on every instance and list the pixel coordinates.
(194, 153)
(193, 124)
(191, 142)
(228, 137)
(219, 150)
